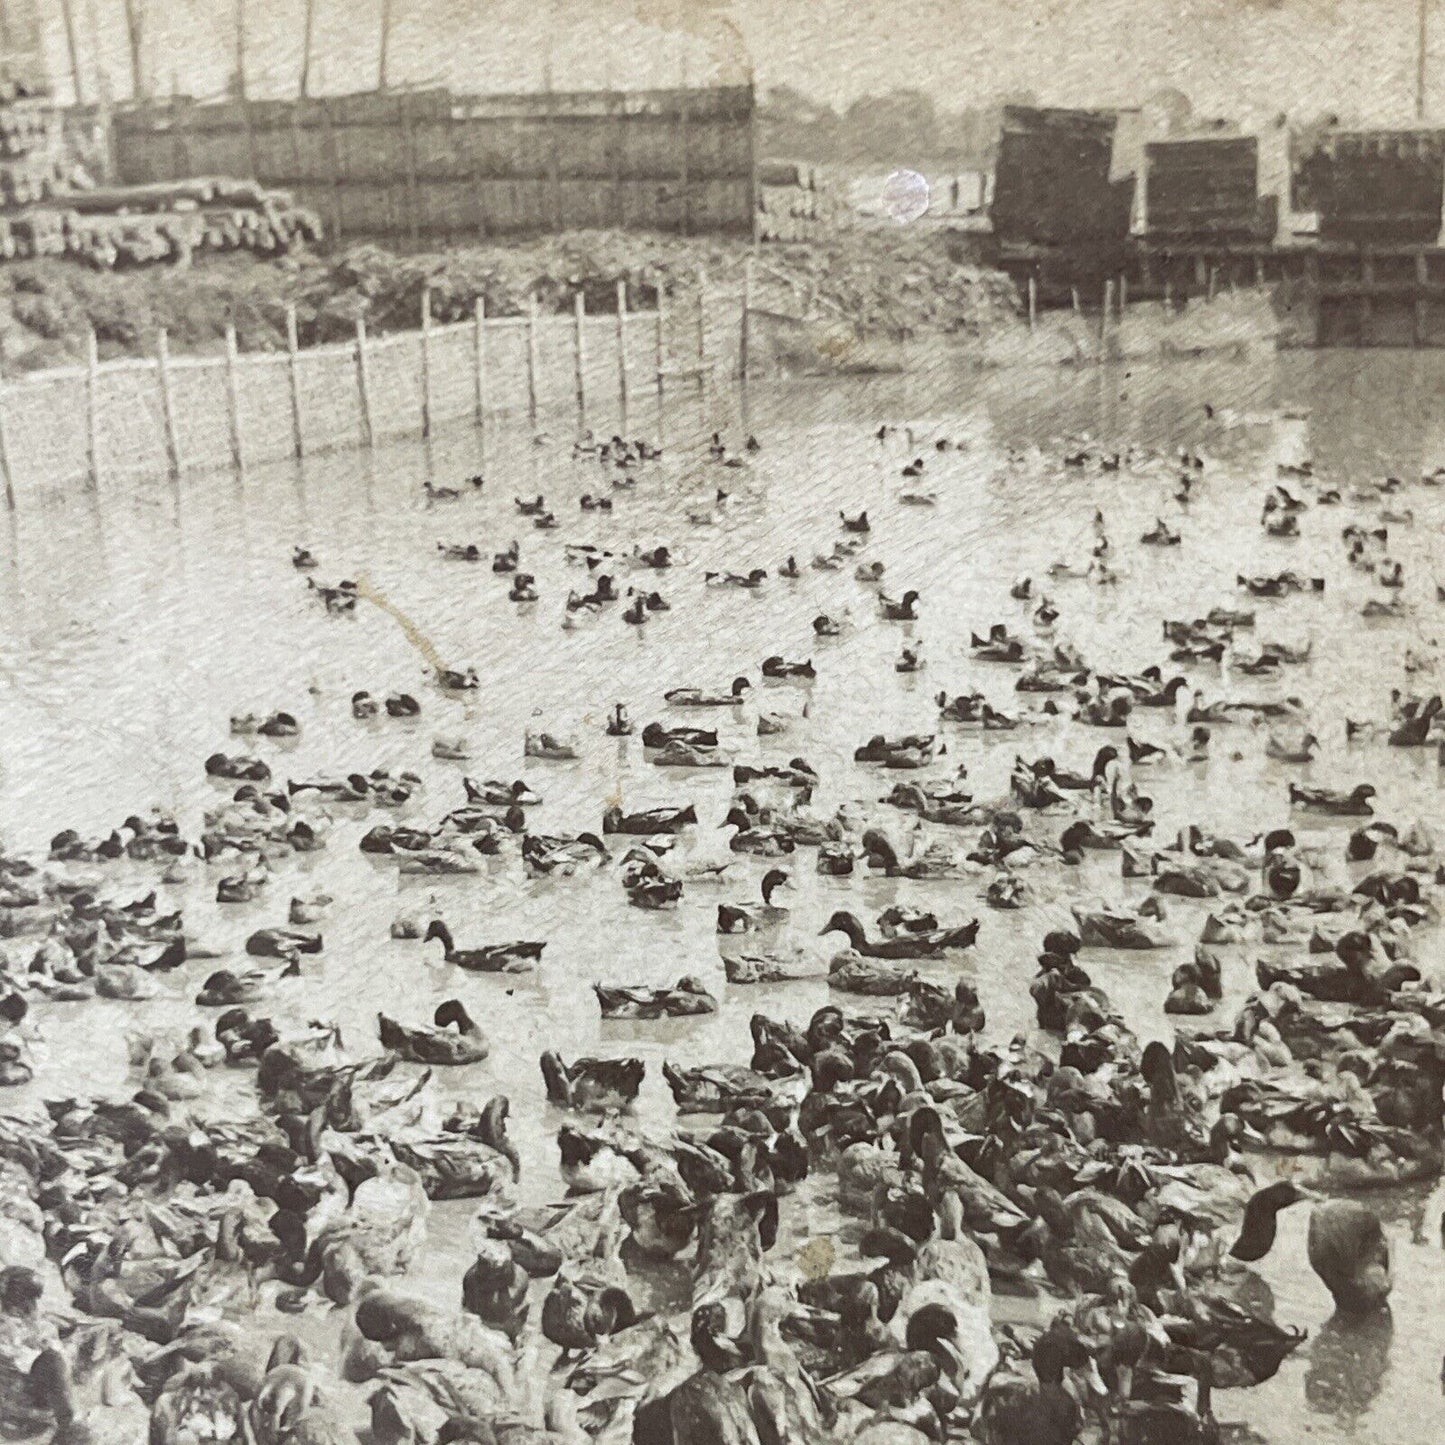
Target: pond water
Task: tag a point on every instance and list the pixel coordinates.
(134, 622)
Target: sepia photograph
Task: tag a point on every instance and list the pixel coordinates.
(721, 722)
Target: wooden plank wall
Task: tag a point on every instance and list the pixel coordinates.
(429, 164)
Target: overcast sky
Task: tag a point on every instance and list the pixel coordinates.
(1243, 57)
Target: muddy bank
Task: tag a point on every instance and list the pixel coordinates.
(890, 285)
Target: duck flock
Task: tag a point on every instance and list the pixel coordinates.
(881, 1220)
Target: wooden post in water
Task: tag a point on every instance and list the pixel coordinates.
(92, 406)
(1367, 304)
(426, 361)
(5, 473)
(661, 341)
(1168, 297)
(363, 383)
(622, 356)
(702, 376)
(1033, 301)
(293, 360)
(1422, 301)
(579, 328)
(479, 357)
(168, 401)
(1201, 272)
(1123, 295)
(1213, 281)
(1077, 303)
(1259, 273)
(745, 320)
(1108, 306)
(233, 399)
(532, 362)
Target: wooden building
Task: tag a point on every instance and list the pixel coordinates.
(431, 164)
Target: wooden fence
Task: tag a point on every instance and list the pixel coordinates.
(168, 413)
(427, 163)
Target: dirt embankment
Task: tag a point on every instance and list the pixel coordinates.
(893, 283)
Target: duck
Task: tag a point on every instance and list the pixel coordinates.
(523, 588)
(504, 562)
(751, 918)
(451, 679)
(549, 747)
(1160, 535)
(927, 944)
(460, 551)
(780, 669)
(1109, 928)
(686, 998)
(468, 1045)
(594, 1086)
(224, 989)
(434, 493)
(619, 724)
(515, 957)
(905, 609)
(701, 697)
(857, 525)
(1346, 1245)
(649, 822)
(562, 857)
(303, 559)
(1355, 803)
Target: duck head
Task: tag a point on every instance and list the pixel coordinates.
(774, 879)
(453, 1011)
(844, 922)
(1257, 1231)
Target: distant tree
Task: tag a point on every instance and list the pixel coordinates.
(1169, 111)
(795, 125)
(895, 127)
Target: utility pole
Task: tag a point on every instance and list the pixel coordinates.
(1420, 61)
(74, 49)
(240, 49)
(306, 48)
(135, 35)
(385, 44)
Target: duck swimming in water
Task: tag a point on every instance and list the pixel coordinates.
(517, 957)
(750, 917)
(701, 697)
(927, 944)
(1347, 1245)
(903, 610)
(595, 1086)
(439, 1045)
(684, 999)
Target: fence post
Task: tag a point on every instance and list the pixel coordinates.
(293, 362)
(661, 340)
(92, 406)
(363, 382)
(622, 356)
(233, 400)
(479, 357)
(168, 401)
(5, 473)
(426, 361)
(579, 318)
(532, 361)
(745, 320)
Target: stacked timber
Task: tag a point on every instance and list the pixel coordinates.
(792, 201)
(50, 206)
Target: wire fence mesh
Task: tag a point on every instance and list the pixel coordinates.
(61, 426)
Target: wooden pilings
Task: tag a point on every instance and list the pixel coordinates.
(426, 361)
(233, 400)
(92, 406)
(533, 361)
(479, 359)
(168, 402)
(293, 376)
(363, 383)
(622, 355)
(579, 354)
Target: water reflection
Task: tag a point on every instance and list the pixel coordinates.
(1349, 1358)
